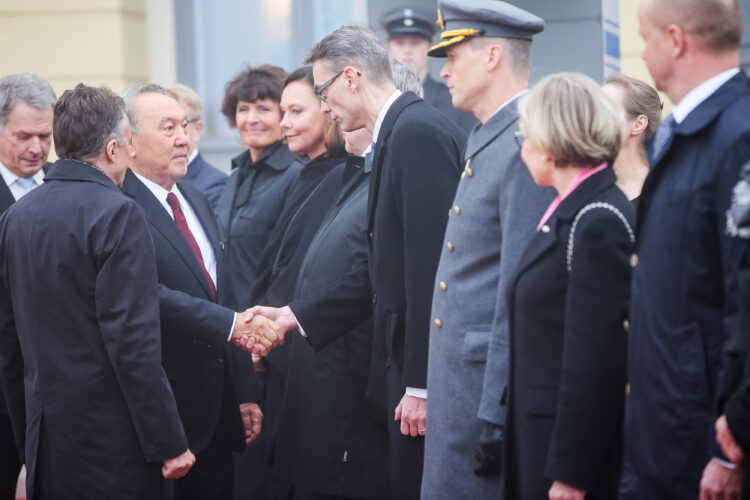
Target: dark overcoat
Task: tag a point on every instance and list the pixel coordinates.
(208, 179)
(78, 274)
(249, 208)
(683, 294)
(415, 172)
(567, 303)
(439, 97)
(331, 438)
(210, 377)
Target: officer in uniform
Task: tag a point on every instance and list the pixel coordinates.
(410, 33)
(493, 217)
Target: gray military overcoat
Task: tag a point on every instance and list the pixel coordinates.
(495, 212)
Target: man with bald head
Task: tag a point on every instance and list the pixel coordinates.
(683, 302)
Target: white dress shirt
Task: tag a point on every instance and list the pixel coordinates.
(15, 188)
(204, 244)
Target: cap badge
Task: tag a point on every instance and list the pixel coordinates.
(408, 22)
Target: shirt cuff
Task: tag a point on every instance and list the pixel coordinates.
(231, 330)
(726, 464)
(299, 327)
(417, 393)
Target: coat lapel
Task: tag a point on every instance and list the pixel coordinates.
(381, 147)
(6, 197)
(164, 224)
(482, 135)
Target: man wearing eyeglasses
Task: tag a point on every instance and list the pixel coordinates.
(415, 167)
(203, 176)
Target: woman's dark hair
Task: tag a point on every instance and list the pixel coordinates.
(332, 136)
(639, 99)
(251, 84)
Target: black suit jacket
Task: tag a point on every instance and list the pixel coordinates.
(568, 347)
(80, 292)
(209, 375)
(414, 176)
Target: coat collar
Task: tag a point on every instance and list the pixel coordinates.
(277, 156)
(482, 135)
(162, 222)
(74, 170)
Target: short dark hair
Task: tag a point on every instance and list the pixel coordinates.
(251, 84)
(86, 118)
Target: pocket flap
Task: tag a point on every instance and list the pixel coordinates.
(475, 346)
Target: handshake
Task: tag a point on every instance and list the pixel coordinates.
(261, 329)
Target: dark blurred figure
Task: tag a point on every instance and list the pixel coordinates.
(208, 179)
(26, 102)
(410, 31)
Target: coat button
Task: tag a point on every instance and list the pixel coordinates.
(457, 209)
(545, 228)
(634, 260)
(438, 323)
(627, 390)
(375, 299)
(626, 325)
(450, 246)
(468, 162)
(443, 286)
(221, 361)
(463, 174)
(469, 171)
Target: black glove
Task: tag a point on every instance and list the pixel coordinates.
(490, 455)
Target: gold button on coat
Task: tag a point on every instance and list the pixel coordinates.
(469, 172)
(627, 390)
(438, 323)
(634, 260)
(626, 325)
(463, 174)
(457, 209)
(450, 246)
(443, 286)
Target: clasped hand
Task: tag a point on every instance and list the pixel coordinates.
(256, 333)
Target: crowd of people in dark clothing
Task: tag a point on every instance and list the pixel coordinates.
(401, 290)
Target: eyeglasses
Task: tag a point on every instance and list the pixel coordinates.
(319, 90)
(519, 136)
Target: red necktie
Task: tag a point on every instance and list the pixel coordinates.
(179, 218)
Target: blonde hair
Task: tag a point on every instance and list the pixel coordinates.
(571, 119)
(187, 96)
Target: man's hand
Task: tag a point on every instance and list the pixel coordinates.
(179, 466)
(725, 439)
(720, 483)
(256, 333)
(412, 412)
(282, 317)
(252, 421)
(561, 491)
(259, 363)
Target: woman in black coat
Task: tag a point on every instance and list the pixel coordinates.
(568, 301)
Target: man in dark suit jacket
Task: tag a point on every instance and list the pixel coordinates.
(203, 176)
(683, 293)
(410, 31)
(415, 170)
(25, 138)
(213, 380)
(80, 345)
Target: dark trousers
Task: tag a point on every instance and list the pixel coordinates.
(407, 452)
(10, 465)
(210, 477)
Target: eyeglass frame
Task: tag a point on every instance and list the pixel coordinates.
(319, 90)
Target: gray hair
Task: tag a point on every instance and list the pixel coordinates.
(406, 78)
(187, 97)
(28, 88)
(131, 98)
(354, 46)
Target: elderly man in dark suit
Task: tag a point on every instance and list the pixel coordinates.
(212, 379)
(683, 294)
(410, 31)
(26, 102)
(80, 347)
(415, 169)
(203, 176)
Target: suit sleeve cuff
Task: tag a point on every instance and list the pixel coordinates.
(417, 393)
(231, 329)
(299, 327)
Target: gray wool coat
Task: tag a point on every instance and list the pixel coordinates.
(495, 212)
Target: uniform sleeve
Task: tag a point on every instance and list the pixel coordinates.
(592, 382)
(127, 309)
(425, 176)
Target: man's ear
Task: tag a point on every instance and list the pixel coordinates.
(131, 148)
(353, 78)
(678, 38)
(111, 149)
(495, 56)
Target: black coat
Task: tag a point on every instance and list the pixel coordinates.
(249, 208)
(568, 347)
(331, 439)
(439, 97)
(78, 273)
(209, 376)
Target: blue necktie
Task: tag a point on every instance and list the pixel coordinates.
(27, 183)
(662, 138)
